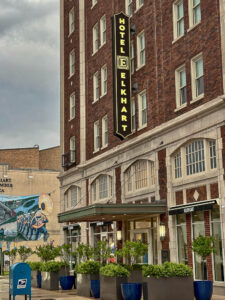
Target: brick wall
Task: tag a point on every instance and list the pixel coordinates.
(50, 159)
(179, 197)
(118, 185)
(201, 191)
(27, 158)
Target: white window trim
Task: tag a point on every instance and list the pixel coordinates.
(138, 6)
(72, 117)
(73, 148)
(135, 114)
(94, 2)
(177, 87)
(96, 80)
(139, 66)
(175, 37)
(193, 78)
(104, 119)
(102, 80)
(101, 30)
(70, 63)
(96, 125)
(71, 12)
(190, 9)
(126, 9)
(132, 58)
(94, 32)
(109, 192)
(140, 126)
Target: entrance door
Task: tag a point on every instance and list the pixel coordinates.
(142, 237)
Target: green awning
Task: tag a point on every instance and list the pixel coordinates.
(112, 212)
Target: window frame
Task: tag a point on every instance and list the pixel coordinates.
(95, 38)
(133, 115)
(105, 131)
(194, 78)
(192, 24)
(102, 31)
(72, 148)
(71, 63)
(129, 3)
(95, 188)
(96, 136)
(71, 21)
(140, 50)
(104, 78)
(140, 110)
(96, 95)
(94, 2)
(176, 20)
(178, 86)
(72, 106)
(138, 5)
(132, 62)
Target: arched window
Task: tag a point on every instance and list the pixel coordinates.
(72, 197)
(101, 188)
(195, 157)
(140, 175)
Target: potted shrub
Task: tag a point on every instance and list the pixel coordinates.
(111, 278)
(65, 279)
(86, 272)
(50, 275)
(24, 253)
(204, 247)
(35, 274)
(176, 280)
(12, 255)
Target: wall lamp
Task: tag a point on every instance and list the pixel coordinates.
(119, 235)
(162, 231)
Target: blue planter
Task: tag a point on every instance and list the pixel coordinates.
(95, 288)
(131, 291)
(66, 282)
(203, 289)
(39, 281)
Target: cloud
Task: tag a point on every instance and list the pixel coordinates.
(29, 73)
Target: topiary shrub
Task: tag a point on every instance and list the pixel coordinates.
(114, 270)
(88, 267)
(51, 266)
(35, 266)
(168, 269)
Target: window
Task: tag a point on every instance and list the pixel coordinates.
(129, 7)
(178, 19)
(197, 77)
(103, 30)
(141, 49)
(95, 38)
(182, 239)
(132, 57)
(72, 150)
(181, 87)
(194, 12)
(72, 197)
(101, 188)
(94, 2)
(133, 116)
(104, 80)
(142, 109)
(72, 63)
(218, 255)
(96, 136)
(139, 175)
(139, 4)
(96, 87)
(72, 106)
(195, 157)
(105, 131)
(71, 21)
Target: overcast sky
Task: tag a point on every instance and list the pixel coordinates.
(29, 73)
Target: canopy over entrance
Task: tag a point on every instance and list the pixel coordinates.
(112, 212)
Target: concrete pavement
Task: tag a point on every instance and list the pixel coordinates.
(52, 295)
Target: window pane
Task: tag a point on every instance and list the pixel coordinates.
(103, 191)
(182, 239)
(195, 162)
(133, 114)
(197, 14)
(177, 162)
(74, 192)
(140, 174)
(199, 68)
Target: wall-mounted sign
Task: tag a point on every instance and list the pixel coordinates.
(5, 183)
(122, 75)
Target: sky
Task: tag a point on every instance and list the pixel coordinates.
(29, 73)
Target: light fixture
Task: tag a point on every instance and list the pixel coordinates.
(162, 231)
(119, 235)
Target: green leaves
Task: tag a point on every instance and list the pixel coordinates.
(133, 250)
(114, 270)
(168, 269)
(51, 266)
(35, 266)
(204, 246)
(88, 267)
(47, 252)
(24, 253)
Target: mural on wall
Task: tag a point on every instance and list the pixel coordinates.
(24, 218)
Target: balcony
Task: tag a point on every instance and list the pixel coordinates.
(69, 159)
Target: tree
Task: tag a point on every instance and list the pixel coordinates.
(204, 247)
(47, 252)
(12, 255)
(133, 250)
(24, 253)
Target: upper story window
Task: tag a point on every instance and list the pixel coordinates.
(103, 30)
(96, 87)
(95, 38)
(96, 136)
(72, 106)
(71, 21)
(101, 188)
(72, 197)
(140, 175)
(94, 2)
(181, 86)
(142, 106)
(72, 62)
(139, 4)
(133, 115)
(105, 131)
(196, 157)
(141, 50)
(178, 19)
(132, 57)
(197, 74)
(104, 80)
(129, 7)
(72, 149)
(194, 12)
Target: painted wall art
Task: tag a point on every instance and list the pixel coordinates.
(24, 218)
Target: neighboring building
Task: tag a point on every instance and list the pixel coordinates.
(29, 197)
(170, 170)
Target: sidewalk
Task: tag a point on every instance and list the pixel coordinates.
(41, 294)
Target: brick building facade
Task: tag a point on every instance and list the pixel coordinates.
(174, 159)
